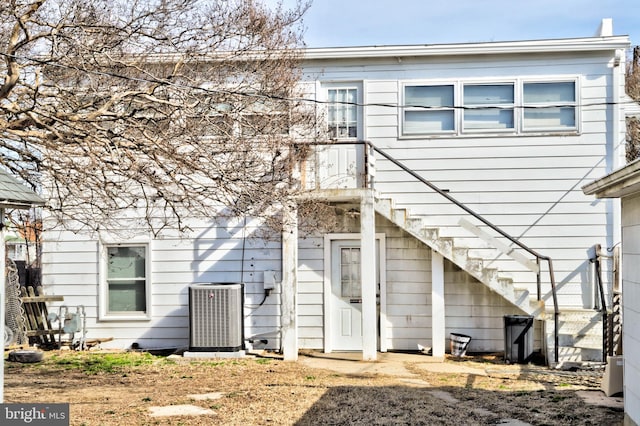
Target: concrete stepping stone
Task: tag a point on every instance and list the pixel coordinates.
(445, 396)
(415, 382)
(179, 410)
(206, 396)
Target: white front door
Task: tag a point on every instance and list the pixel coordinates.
(346, 296)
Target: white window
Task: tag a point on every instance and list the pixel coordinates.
(126, 292)
(350, 282)
(265, 117)
(342, 113)
(428, 109)
(549, 106)
(488, 107)
(470, 107)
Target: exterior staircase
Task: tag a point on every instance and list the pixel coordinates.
(460, 256)
(580, 338)
(580, 331)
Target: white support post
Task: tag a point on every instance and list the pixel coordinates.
(368, 277)
(289, 287)
(437, 305)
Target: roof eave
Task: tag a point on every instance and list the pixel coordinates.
(620, 183)
(12, 204)
(483, 48)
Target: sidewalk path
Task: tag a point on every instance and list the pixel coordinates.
(395, 364)
(389, 363)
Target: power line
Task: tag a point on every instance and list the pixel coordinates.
(166, 82)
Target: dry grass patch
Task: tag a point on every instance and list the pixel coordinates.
(119, 389)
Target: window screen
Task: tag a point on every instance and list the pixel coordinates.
(126, 279)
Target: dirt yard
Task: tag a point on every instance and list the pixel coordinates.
(125, 388)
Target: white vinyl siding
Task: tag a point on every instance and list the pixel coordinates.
(527, 181)
(631, 302)
(75, 266)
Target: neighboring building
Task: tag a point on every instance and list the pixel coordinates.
(18, 248)
(512, 130)
(22, 242)
(625, 184)
(13, 195)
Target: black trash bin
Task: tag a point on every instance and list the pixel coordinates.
(518, 338)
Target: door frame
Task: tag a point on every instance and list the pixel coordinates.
(382, 334)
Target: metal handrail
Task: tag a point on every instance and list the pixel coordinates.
(606, 350)
(534, 253)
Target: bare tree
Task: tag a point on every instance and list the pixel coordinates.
(632, 83)
(168, 106)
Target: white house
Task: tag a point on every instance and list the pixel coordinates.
(461, 139)
(624, 183)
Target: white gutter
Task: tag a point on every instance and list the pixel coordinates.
(484, 48)
(585, 44)
(620, 183)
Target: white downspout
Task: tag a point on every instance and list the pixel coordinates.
(618, 138)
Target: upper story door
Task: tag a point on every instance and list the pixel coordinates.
(340, 165)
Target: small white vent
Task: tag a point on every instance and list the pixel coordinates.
(216, 317)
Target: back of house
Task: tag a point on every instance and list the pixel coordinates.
(449, 182)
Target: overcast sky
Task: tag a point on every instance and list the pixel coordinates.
(332, 23)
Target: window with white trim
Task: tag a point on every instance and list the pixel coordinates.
(126, 287)
(342, 113)
(549, 106)
(264, 117)
(429, 109)
(488, 107)
(520, 106)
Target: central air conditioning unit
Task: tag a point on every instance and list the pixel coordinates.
(216, 320)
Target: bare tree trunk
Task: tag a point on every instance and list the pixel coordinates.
(633, 90)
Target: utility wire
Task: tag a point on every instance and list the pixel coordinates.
(169, 83)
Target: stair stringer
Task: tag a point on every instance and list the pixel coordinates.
(474, 266)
